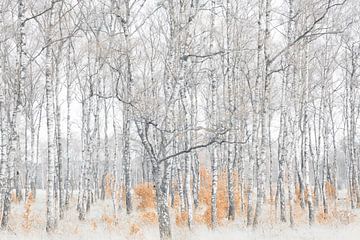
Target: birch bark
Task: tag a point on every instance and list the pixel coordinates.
(50, 122)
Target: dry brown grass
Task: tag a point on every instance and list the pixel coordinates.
(26, 216)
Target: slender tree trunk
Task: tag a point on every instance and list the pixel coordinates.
(213, 119)
(180, 185)
(50, 122)
(126, 109)
(68, 128)
(3, 143)
(13, 138)
(106, 140)
(160, 190)
(260, 160)
(58, 137)
(306, 144)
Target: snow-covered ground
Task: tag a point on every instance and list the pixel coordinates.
(99, 225)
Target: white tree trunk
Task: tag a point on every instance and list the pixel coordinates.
(50, 122)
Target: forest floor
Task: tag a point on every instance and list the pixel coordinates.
(27, 221)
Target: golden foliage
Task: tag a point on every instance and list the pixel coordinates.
(181, 219)
(26, 216)
(205, 177)
(149, 217)
(205, 200)
(221, 199)
(323, 218)
(109, 178)
(330, 190)
(176, 200)
(146, 195)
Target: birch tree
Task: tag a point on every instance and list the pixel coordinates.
(50, 122)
